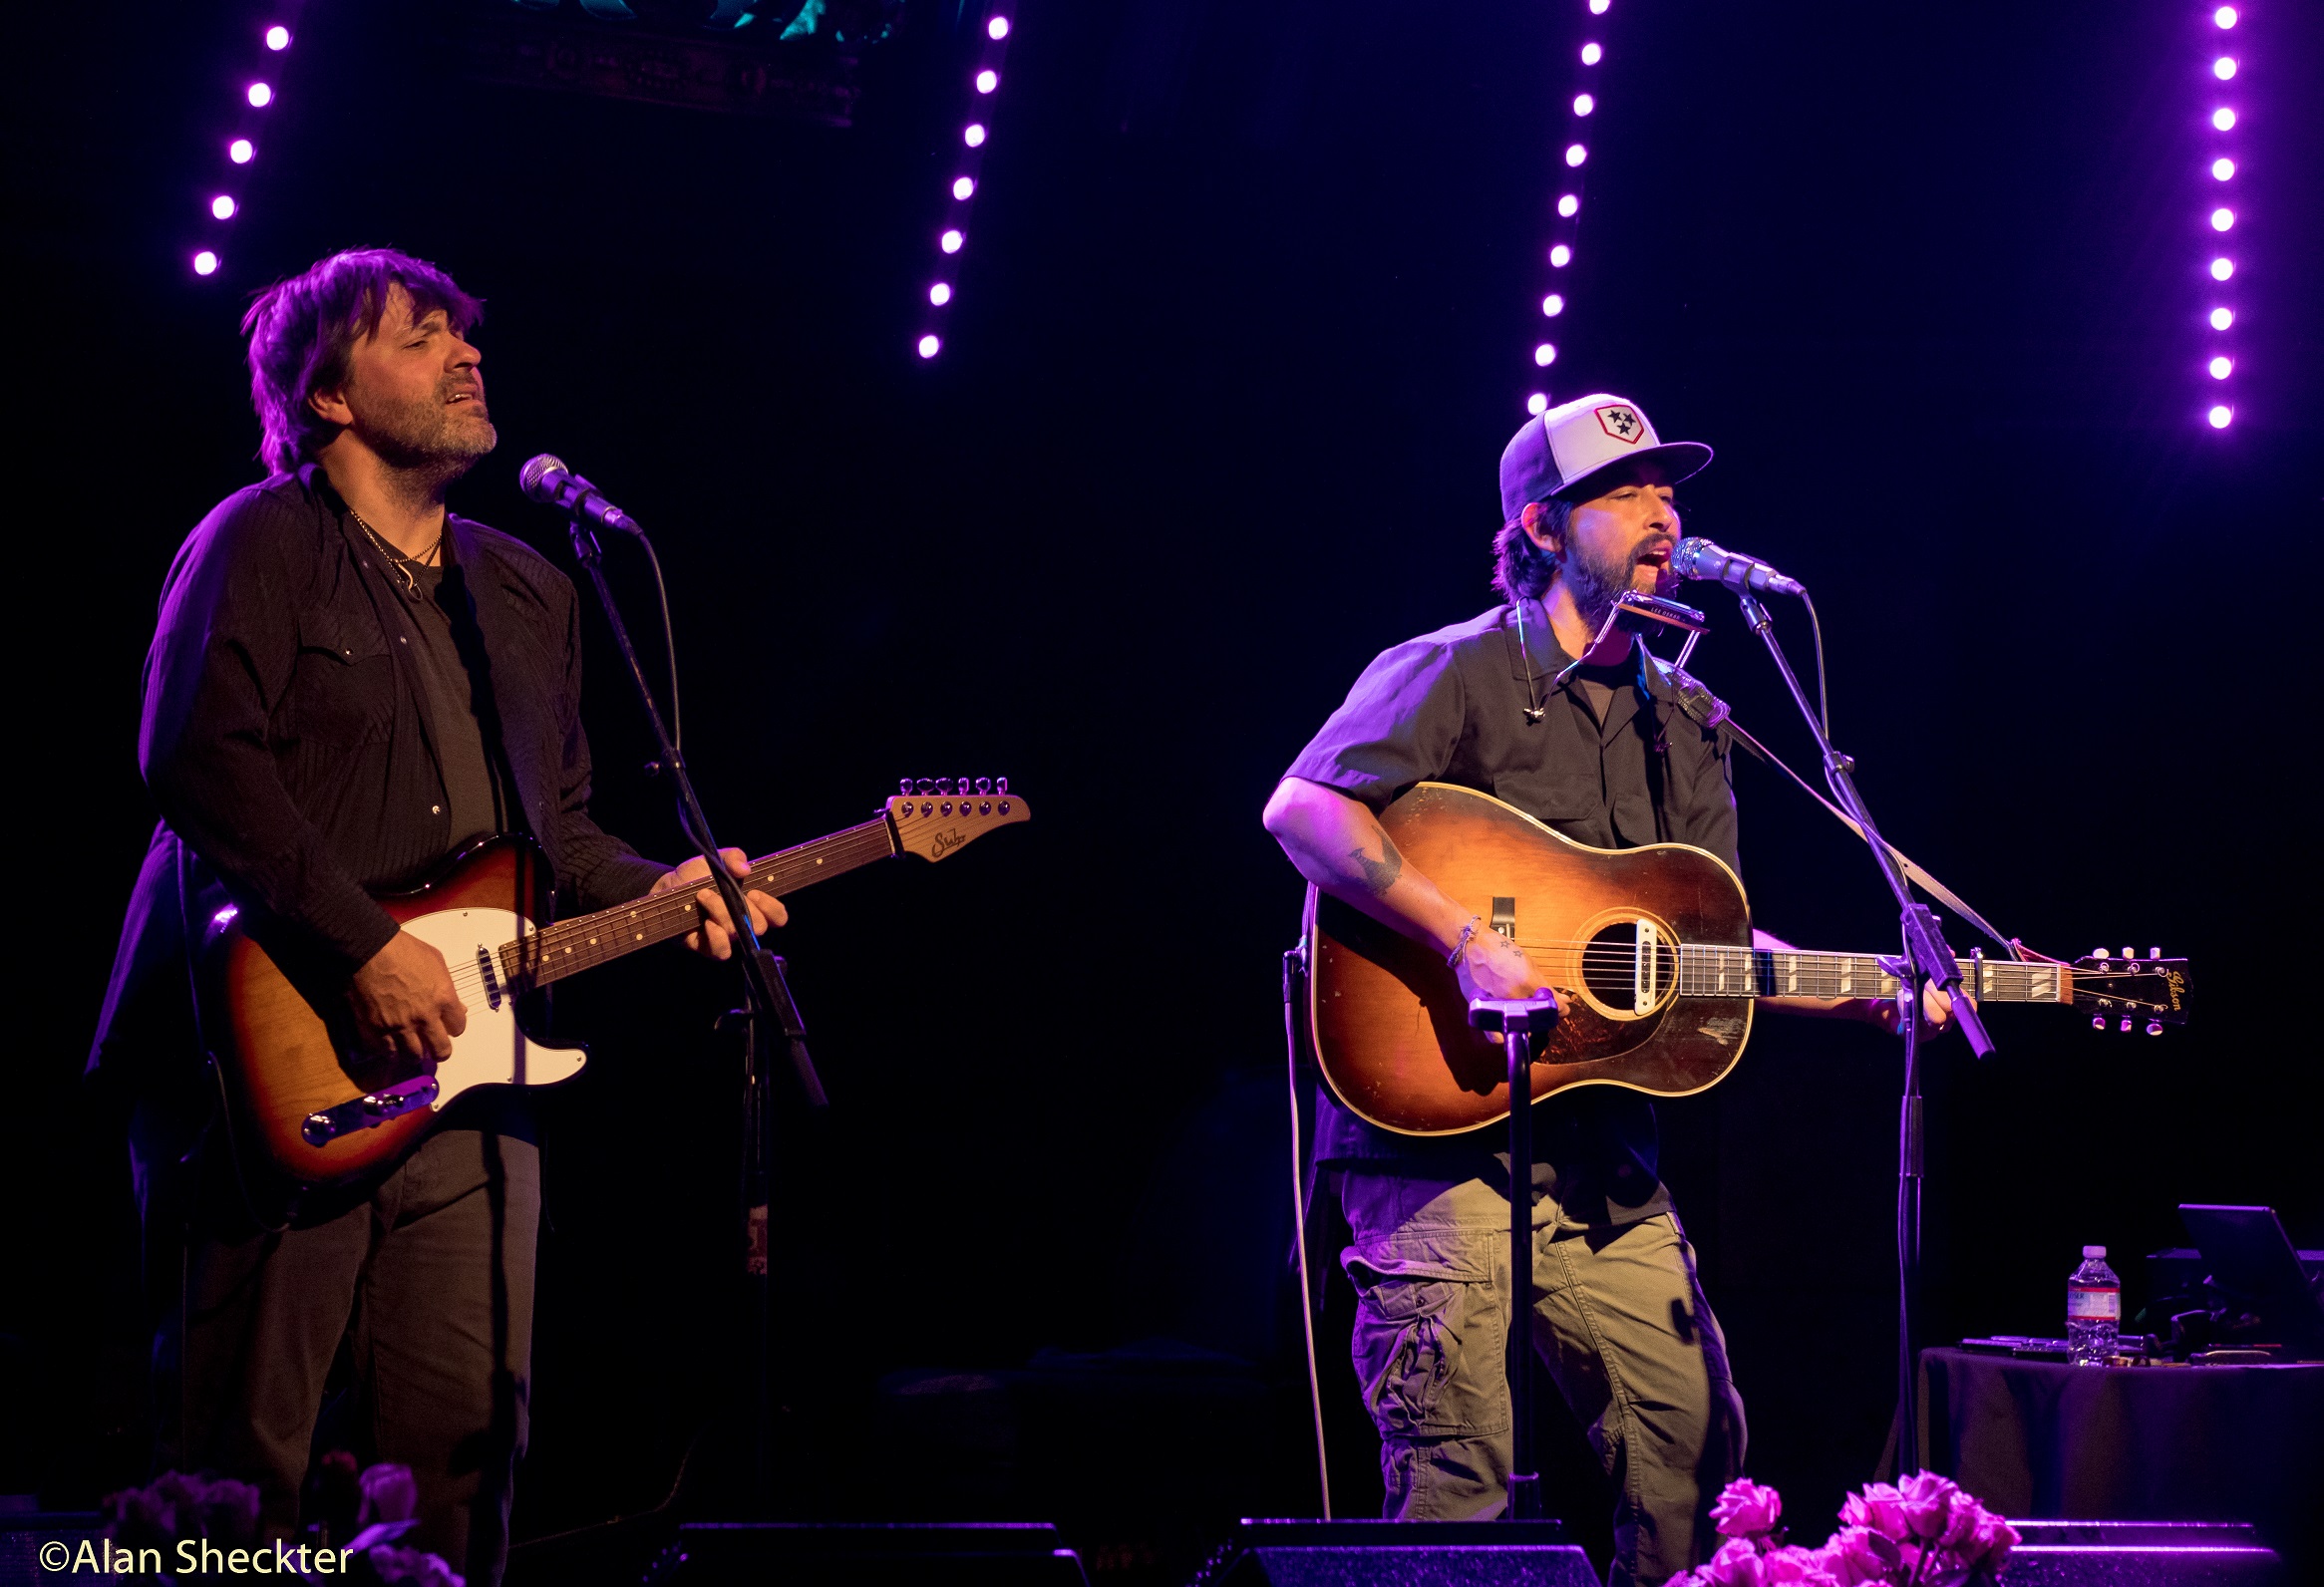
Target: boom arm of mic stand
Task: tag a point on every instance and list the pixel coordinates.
(763, 977)
(1924, 941)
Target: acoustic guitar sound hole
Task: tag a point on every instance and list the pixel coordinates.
(1609, 966)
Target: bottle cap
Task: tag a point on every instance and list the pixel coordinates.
(2093, 1250)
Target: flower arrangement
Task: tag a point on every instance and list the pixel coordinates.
(1921, 1533)
(150, 1523)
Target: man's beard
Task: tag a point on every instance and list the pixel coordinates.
(1596, 584)
(427, 441)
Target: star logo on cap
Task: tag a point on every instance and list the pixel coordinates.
(1623, 424)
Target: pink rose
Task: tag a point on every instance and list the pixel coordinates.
(1988, 1543)
(1856, 1554)
(1879, 1508)
(1746, 1510)
(1793, 1566)
(1737, 1564)
(389, 1493)
(1926, 1500)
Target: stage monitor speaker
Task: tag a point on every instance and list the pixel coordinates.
(2142, 1554)
(1397, 1554)
(800, 1554)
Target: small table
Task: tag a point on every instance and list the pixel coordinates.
(2130, 1444)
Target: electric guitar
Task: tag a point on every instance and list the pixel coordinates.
(322, 1113)
(1648, 949)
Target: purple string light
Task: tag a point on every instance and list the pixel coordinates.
(2220, 166)
(984, 82)
(241, 149)
(1581, 104)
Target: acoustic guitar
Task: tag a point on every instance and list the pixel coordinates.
(1648, 949)
(322, 1113)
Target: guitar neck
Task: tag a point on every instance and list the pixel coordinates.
(583, 943)
(1710, 971)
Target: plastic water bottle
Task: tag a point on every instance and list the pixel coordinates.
(2094, 1310)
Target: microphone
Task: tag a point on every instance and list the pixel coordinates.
(1699, 558)
(546, 479)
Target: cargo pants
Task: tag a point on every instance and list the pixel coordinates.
(1618, 1321)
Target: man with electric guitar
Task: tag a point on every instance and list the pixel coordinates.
(346, 687)
(1426, 893)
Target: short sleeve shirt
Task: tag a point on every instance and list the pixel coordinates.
(1652, 766)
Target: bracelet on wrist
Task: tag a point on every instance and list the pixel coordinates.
(1452, 959)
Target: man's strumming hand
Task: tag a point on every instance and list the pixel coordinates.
(1491, 966)
(403, 1003)
(715, 940)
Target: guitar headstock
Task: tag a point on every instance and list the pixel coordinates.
(934, 815)
(2126, 991)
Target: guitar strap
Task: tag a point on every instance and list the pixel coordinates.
(1707, 709)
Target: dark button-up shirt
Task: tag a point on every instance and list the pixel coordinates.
(1450, 707)
(287, 745)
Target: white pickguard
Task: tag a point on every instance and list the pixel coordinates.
(491, 1051)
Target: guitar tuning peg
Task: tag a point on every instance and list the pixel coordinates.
(965, 784)
(2099, 953)
(2154, 1027)
(924, 786)
(2098, 1022)
(1000, 785)
(2126, 1025)
(984, 784)
(904, 787)
(2153, 953)
(2130, 953)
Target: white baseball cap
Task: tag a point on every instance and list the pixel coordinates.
(1559, 449)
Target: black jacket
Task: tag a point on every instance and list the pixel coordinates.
(287, 750)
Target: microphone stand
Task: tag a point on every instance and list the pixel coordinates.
(1926, 961)
(771, 1007)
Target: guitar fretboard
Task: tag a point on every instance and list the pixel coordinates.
(571, 946)
(1710, 971)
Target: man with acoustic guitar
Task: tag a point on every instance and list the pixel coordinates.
(1624, 752)
(348, 683)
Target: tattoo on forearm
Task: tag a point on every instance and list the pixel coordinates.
(1379, 874)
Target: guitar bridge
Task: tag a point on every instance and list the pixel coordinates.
(369, 1111)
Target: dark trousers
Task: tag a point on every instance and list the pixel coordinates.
(429, 1282)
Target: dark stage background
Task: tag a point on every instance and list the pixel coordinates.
(1241, 334)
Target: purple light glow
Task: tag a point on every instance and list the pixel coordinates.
(205, 263)
(928, 346)
(2223, 219)
(1553, 306)
(2222, 268)
(963, 187)
(2222, 318)
(1569, 206)
(973, 135)
(1561, 256)
(223, 208)
(950, 242)
(2222, 417)
(1545, 355)
(1575, 154)
(997, 28)
(278, 37)
(2224, 68)
(2221, 368)
(940, 294)
(2223, 119)
(1597, 8)
(2222, 168)
(260, 96)
(1591, 55)
(987, 80)
(2224, 16)
(1538, 403)
(1583, 104)
(241, 152)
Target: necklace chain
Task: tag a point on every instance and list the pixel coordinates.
(395, 559)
